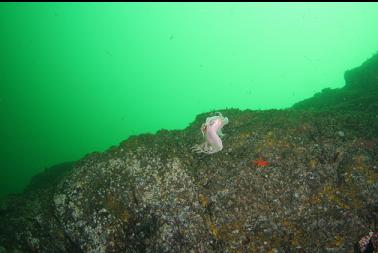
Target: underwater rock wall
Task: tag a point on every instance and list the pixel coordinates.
(359, 93)
(364, 77)
(285, 181)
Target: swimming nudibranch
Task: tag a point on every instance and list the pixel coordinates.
(211, 131)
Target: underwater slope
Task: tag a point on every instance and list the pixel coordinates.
(316, 193)
(360, 92)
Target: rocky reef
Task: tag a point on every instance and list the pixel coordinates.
(316, 192)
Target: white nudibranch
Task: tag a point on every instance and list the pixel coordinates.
(212, 131)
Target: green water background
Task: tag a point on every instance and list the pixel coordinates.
(81, 77)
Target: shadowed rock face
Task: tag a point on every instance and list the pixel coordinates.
(364, 77)
(359, 93)
(151, 194)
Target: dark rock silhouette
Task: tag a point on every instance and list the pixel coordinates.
(359, 93)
